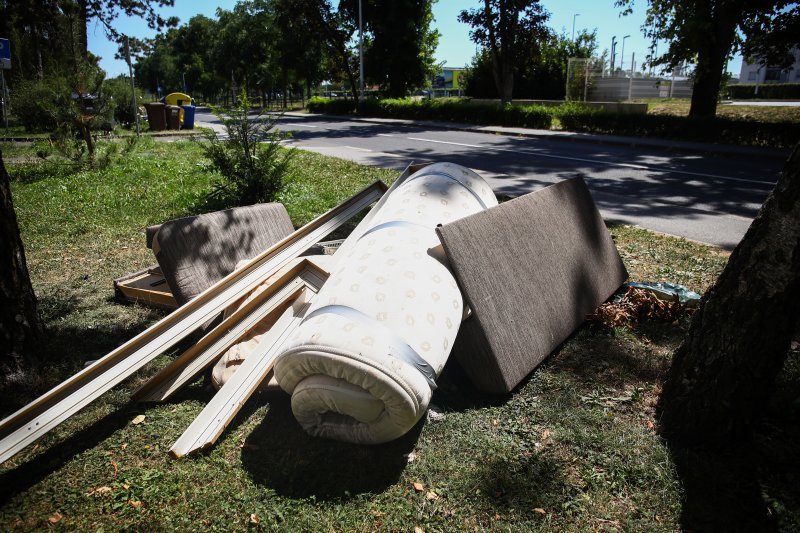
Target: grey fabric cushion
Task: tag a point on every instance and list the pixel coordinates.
(531, 270)
(195, 252)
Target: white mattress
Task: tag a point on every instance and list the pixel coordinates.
(362, 365)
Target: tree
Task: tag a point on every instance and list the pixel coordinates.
(770, 37)
(707, 33)
(505, 27)
(399, 43)
(106, 11)
(540, 73)
(722, 374)
(20, 326)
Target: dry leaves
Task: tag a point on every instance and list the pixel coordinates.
(254, 519)
(56, 518)
(419, 487)
(138, 420)
(432, 495)
(99, 491)
(635, 306)
(539, 510)
(418, 529)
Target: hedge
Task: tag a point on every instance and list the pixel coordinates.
(447, 109)
(717, 129)
(769, 91)
(574, 117)
(334, 106)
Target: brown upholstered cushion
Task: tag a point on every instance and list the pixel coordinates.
(195, 252)
(531, 269)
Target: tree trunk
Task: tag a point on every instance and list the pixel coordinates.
(83, 35)
(710, 62)
(20, 327)
(722, 374)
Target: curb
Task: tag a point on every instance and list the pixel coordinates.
(635, 142)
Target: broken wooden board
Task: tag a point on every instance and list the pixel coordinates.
(43, 414)
(530, 269)
(146, 287)
(218, 413)
(271, 301)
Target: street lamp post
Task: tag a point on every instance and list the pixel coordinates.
(360, 55)
(613, 54)
(622, 55)
(576, 15)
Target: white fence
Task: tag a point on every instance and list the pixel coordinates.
(616, 89)
(590, 80)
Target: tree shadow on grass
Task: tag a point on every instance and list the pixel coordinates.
(280, 455)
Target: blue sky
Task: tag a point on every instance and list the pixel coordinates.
(455, 47)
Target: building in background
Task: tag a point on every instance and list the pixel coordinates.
(758, 73)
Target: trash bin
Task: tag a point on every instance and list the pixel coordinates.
(156, 116)
(188, 116)
(173, 117)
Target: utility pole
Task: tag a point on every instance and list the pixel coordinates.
(622, 55)
(613, 54)
(133, 85)
(576, 15)
(360, 56)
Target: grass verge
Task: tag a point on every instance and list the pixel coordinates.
(573, 448)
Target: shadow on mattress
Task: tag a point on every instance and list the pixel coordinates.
(281, 456)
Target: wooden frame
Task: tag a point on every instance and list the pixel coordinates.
(147, 287)
(43, 414)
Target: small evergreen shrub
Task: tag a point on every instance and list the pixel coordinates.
(250, 161)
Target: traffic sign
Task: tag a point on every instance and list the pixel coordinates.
(5, 54)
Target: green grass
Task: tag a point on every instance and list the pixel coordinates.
(680, 107)
(572, 449)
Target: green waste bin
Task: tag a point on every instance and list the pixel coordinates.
(156, 116)
(188, 116)
(173, 117)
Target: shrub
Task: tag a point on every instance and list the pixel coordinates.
(717, 129)
(448, 109)
(34, 102)
(770, 91)
(118, 91)
(334, 106)
(250, 161)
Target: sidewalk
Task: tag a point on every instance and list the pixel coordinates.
(638, 142)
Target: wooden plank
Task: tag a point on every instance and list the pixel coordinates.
(211, 422)
(141, 289)
(43, 414)
(271, 301)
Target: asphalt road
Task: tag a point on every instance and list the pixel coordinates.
(707, 198)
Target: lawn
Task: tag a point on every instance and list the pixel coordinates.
(573, 448)
(680, 107)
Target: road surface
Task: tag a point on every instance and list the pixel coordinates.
(707, 198)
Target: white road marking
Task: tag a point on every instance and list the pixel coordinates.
(357, 149)
(302, 125)
(444, 142)
(385, 135)
(598, 162)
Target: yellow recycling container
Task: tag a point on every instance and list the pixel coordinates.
(178, 99)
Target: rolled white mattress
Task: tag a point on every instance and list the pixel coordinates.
(362, 365)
